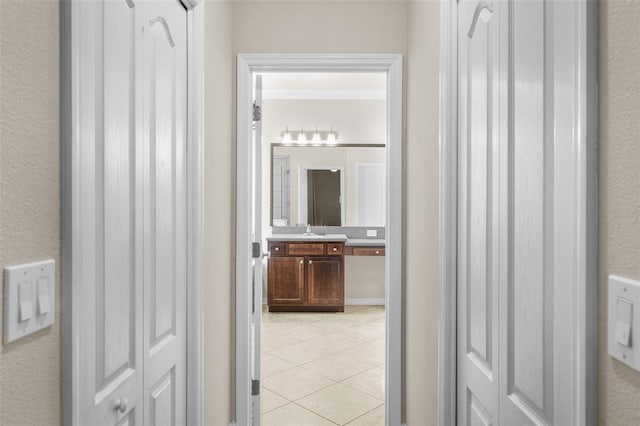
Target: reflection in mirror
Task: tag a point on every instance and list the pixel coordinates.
(323, 194)
(339, 185)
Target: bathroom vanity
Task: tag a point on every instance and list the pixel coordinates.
(306, 273)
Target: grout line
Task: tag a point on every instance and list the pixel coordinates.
(348, 325)
(368, 412)
(317, 414)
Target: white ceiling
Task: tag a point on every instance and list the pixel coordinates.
(324, 85)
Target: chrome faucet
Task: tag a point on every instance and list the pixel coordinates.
(308, 229)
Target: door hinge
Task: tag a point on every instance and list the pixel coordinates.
(255, 387)
(256, 250)
(257, 112)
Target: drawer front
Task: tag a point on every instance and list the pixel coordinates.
(334, 249)
(278, 249)
(306, 249)
(368, 251)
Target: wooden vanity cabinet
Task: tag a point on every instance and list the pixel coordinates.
(305, 276)
(286, 281)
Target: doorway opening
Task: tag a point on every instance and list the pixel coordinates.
(319, 294)
(323, 321)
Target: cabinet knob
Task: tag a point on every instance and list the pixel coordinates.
(277, 248)
(121, 405)
(335, 249)
(377, 251)
(310, 261)
(302, 262)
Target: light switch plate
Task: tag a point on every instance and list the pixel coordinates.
(624, 321)
(29, 295)
(372, 232)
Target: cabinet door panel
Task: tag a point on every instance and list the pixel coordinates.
(286, 281)
(325, 281)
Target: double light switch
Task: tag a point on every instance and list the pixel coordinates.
(624, 294)
(29, 294)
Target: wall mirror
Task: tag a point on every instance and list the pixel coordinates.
(328, 185)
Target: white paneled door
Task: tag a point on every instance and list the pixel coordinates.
(162, 120)
(478, 208)
(522, 179)
(129, 214)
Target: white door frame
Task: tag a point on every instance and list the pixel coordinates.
(70, 194)
(585, 31)
(392, 65)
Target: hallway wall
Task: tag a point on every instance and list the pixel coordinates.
(619, 396)
(29, 179)
(219, 228)
(421, 218)
(30, 368)
(411, 29)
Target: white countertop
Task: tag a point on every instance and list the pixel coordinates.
(355, 242)
(303, 237)
(366, 242)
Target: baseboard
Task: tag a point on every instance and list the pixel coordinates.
(354, 301)
(364, 301)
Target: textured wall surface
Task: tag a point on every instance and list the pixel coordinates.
(421, 214)
(619, 399)
(30, 391)
(29, 197)
(219, 229)
(409, 28)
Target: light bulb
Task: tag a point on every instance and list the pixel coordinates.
(331, 137)
(286, 136)
(302, 138)
(316, 137)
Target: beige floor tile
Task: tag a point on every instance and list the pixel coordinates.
(354, 308)
(336, 367)
(330, 327)
(369, 352)
(303, 352)
(271, 365)
(372, 418)
(272, 341)
(368, 331)
(339, 403)
(270, 401)
(367, 315)
(293, 415)
(339, 317)
(305, 331)
(370, 382)
(340, 340)
(295, 383)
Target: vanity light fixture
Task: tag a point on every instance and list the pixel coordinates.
(331, 137)
(319, 137)
(302, 137)
(316, 137)
(286, 137)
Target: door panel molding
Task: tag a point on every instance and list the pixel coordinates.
(567, 238)
(80, 76)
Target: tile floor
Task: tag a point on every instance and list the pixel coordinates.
(323, 368)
